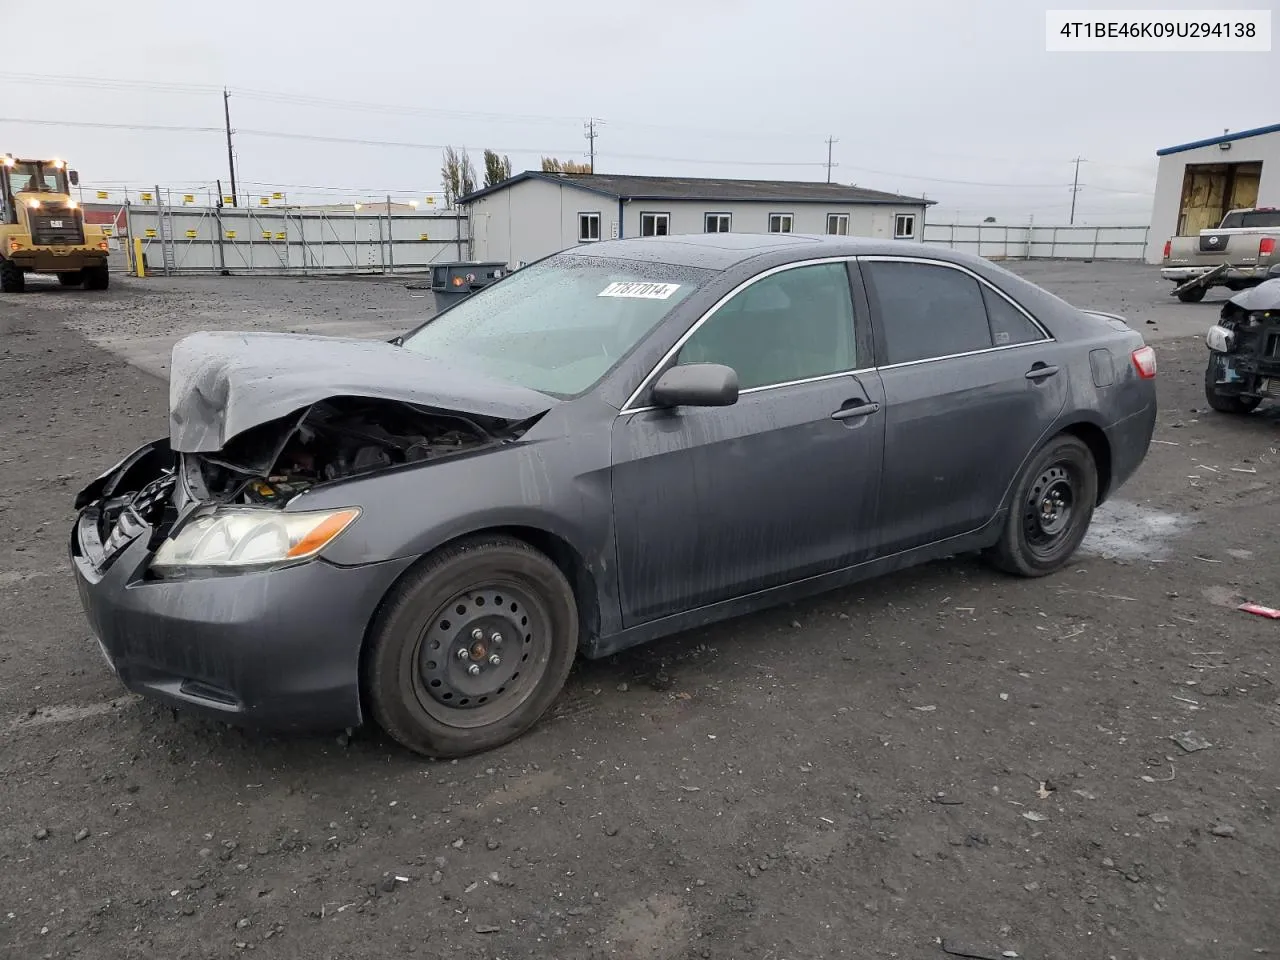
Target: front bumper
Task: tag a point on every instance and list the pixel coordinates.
(277, 649)
(1182, 274)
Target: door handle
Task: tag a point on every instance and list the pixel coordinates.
(856, 410)
(1041, 371)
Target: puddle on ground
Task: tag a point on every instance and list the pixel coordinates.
(1129, 531)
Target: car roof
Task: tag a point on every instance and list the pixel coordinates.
(721, 251)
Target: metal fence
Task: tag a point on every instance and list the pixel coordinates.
(1035, 241)
(283, 241)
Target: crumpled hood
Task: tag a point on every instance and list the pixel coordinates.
(1265, 296)
(222, 384)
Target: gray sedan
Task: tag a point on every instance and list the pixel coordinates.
(619, 442)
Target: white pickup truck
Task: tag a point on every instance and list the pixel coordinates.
(1240, 252)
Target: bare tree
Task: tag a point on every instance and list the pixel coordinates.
(457, 175)
(496, 168)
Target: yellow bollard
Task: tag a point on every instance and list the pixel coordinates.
(139, 268)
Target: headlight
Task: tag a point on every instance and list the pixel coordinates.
(1220, 339)
(236, 537)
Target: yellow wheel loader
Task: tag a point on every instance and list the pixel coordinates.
(42, 230)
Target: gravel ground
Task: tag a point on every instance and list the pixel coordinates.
(942, 759)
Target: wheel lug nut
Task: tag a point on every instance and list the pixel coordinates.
(474, 669)
(462, 653)
(494, 659)
(477, 634)
(495, 638)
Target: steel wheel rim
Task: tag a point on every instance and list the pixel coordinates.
(498, 619)
(1050, 509)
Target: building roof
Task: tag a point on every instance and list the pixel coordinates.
(1225, 138)
(706, 189)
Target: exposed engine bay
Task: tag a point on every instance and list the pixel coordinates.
(332, 440)
(274, 462)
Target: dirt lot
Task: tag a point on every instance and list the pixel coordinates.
(945, 757)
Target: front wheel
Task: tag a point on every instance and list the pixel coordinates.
(1219, 400)
(1052, 506)
(471, 648)
(1194, 295)
(11, 277)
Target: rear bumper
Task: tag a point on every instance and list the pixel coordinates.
(277, 649)
(1182, 274)
(1130, 439)
(57, 259)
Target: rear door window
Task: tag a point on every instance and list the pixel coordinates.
(926, 310)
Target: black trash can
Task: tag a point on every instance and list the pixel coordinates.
(451, 282)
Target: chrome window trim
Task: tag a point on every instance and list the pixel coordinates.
(627, 409)
(711, 312)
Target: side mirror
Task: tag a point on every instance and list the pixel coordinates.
(74, 177)
(697, 385)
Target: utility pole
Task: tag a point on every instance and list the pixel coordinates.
(231, 156)
(830, 141)
(591, 135)
(1075, 187)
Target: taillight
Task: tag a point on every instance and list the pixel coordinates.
(1144, 361)
(1266, 246)
(1168, 247)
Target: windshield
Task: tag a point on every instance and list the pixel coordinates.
(1252, 218)
(559, 325)
(36, 178)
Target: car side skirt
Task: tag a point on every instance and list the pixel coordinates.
(985, 536)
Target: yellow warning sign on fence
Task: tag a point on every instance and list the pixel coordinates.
(188, 198)
(191, 234)
(102, 194)
(264, 201)
(150, 232)
(277, 196)
(423, 236)
(431, 199)
(231, 234)
(229, 201)
(266, 234)
(147, 198)
(280, 236)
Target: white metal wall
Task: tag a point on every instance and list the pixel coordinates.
(194, 240)
(1033, 241)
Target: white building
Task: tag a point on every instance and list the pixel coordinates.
(535, 214)
(1198, 182)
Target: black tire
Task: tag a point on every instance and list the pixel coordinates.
(1052, 507)
(97, 277)
(71, 279)
(1224, 402)
(417, 684)
(11, 278)
(1194, 295)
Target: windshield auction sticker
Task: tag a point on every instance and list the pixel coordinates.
(640, 291)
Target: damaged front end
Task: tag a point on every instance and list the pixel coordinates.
(203, 510)
(1244, 346)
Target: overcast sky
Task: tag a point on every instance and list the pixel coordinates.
(918, 93)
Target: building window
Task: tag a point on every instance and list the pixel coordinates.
(718, 222)
(779, 223)
(588, 227)
(904, 226)
(838, 224)
(655, 224)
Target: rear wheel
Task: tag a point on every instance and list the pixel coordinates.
(1194, 295)
(1218, 400)
(71, 279)
(1052, 506)
(96, 277)
(471, 648)
(11, 278)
